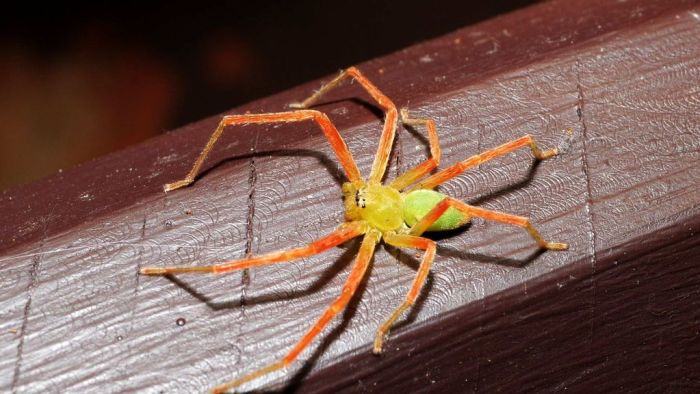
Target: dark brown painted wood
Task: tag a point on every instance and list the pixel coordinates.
(619, 311)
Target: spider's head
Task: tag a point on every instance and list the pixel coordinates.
(351, 198)
(379, 205)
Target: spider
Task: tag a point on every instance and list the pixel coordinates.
(397, 213)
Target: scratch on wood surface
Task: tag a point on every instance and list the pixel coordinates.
(33, 274)
(250, 218)
(580, 110)
(138, 263)
(137, 282)
(25, 318)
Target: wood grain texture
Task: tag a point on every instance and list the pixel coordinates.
(619, 310)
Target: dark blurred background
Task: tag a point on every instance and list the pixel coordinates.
(81, 79)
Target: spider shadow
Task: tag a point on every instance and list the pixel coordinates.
(350, 310)
(524, 181)
(365, 104)
(379, 114)
(461, 254)
(329, 273)
(295, 381)
(331, 166)
(422, 138)
(347, 315)
(448, 251)
(413, 263)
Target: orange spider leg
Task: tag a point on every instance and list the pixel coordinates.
(336, 141)
(407, 241)
(358, 272)
(422, 225)
(390, 121)
(456, 169)
(417, 172)
(344, 233)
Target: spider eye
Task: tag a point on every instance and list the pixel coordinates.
(360, 200)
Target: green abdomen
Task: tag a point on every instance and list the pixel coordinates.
(418, 203)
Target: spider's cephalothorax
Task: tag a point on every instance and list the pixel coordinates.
(380, 206)
(397, 213)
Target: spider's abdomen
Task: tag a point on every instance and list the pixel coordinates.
(418, 203)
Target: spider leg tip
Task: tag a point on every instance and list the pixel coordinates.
(378, 345)
(176, 185)
(296, 105)
(152, 271)
(548, 154)
(557, 246)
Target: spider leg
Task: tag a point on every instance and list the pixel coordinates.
(456, 169)
(417, 172)
(406, 241)
(390, 120)
(472, 211)
(358, 271)
(336, 141)
(344, 233)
